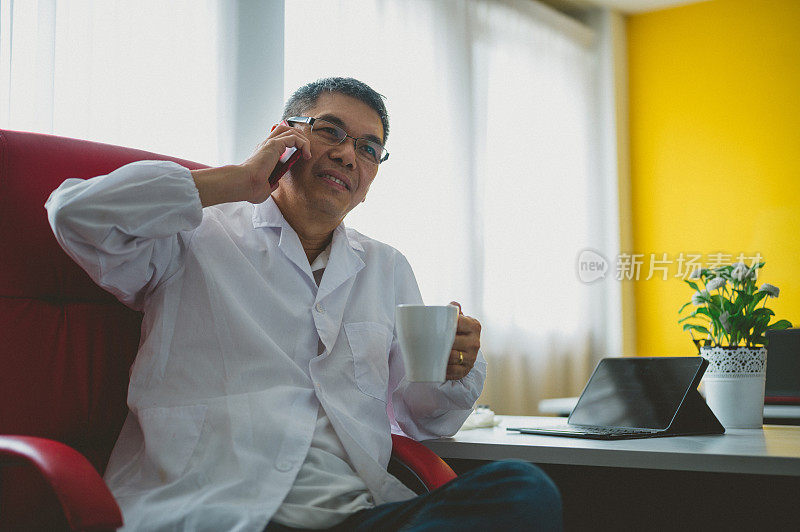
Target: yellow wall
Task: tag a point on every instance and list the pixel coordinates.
(715, 150)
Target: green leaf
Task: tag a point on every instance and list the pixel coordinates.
(698, 328)
(703, 314)
(759, 312)
(703, 310)
(780, 325)
(724, 304)
(692, 284)
(684, 306)
(743, 297)
(757, 297)
(760, 326)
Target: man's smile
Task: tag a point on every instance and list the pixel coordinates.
(335, 178)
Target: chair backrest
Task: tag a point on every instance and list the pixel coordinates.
(66, 345)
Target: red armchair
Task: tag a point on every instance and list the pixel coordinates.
(65, 349)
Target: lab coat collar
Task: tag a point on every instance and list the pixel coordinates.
(344, 262)
(334, 290)
(267, 214)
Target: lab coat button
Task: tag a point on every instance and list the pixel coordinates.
(283, 465)
(319, 308)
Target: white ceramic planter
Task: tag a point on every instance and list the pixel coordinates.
(734, 385)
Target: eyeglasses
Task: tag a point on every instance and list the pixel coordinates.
(331, 134)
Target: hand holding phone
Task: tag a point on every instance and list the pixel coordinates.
(289, 157)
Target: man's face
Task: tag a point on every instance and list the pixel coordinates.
(310, 182)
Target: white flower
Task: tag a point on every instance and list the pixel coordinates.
(723, 319)
(740, 272)
(770, 289)
(716, 283)
(696, 273)
(700, 298)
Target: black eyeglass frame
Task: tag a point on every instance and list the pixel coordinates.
(310, 121)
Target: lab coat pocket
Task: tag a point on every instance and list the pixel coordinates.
(170, 437)
(369, 343)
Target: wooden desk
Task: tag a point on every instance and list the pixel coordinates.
(745, 479)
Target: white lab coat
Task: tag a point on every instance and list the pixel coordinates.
(225, 388)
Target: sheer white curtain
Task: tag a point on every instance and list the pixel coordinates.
(140, 73)
(535, 78)
(487, 190)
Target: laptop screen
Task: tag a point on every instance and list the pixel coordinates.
(636, 392)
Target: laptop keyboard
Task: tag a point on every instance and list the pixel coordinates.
(600, 431)
(612, 430)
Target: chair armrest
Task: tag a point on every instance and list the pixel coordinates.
(86, 501)
(428, 467)
(88, 505)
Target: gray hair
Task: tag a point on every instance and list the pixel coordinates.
(306, 97)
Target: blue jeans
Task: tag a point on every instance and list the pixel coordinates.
(505, 495)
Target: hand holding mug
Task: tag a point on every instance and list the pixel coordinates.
(465, 346)
(438, 343)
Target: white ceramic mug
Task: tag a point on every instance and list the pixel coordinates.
(426, 334)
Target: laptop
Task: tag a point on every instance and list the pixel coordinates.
(783, 368)
(639, 397)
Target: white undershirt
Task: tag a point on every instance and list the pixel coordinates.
(326, 489)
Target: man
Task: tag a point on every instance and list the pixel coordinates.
(269, 373)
